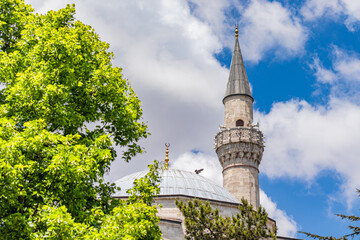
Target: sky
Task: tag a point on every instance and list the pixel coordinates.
(303, 62)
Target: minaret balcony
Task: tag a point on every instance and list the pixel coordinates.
(239, 134)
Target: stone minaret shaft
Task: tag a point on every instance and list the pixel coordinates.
(239, 144)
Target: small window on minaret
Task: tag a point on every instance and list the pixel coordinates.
(239, 123)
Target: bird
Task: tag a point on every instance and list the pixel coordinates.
(197, 171)
(222, 127)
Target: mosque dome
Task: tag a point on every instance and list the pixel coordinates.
(175, 182)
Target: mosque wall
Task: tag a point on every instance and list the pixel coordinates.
(171, 230)
(172, 223)
(170, 213)
(169, 209)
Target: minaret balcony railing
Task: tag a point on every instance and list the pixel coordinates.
(239, 134)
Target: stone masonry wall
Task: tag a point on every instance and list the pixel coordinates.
(243, 182)
(238, 107)
(170, 211)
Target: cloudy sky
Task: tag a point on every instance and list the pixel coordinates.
(303, 63)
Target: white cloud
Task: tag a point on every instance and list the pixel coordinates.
(345, 68)
(304, 140)
(343, 76)
(347, 65)
(352, 10)
(286, 225)
(322, 74)
(166, 49)
(265, 26)
(268, 26)
(314, 9)
(160, 45)
(42, 6)
(213, 13)
(349, 69)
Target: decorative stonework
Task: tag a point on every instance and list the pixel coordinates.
(240, 152)
(241, 145)
(239, 134)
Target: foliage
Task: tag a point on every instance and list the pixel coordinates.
(63, 106)
(202, 222)
(355, 229)
(46, 199)
(13, 16)
(39, 168)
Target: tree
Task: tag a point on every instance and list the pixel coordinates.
(202, 222)
(355, 229)
(129, 220)
(63, 106)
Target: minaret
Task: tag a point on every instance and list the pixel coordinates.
(239, 144)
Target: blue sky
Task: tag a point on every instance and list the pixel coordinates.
(303, 62)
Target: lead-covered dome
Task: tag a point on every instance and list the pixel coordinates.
(176, 182)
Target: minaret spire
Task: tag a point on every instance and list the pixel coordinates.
(240, 144)
(238, 83)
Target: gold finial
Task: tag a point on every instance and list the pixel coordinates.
(167, 145)
(236, 31)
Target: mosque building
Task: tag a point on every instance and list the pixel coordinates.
(239, 145)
